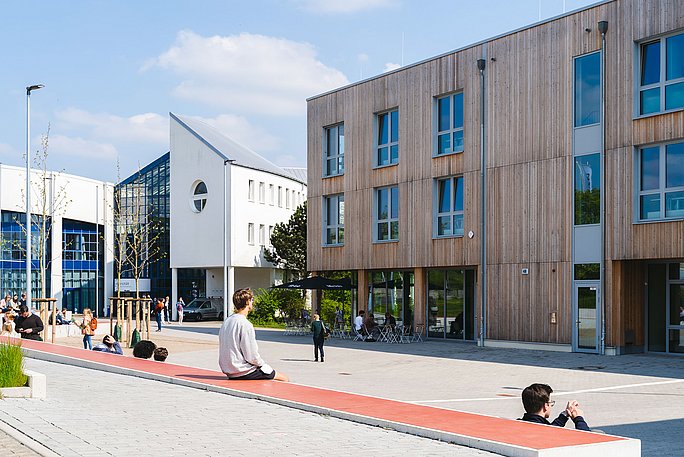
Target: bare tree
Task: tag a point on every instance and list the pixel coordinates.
(144, 232)
(121, 232)
(51, 202)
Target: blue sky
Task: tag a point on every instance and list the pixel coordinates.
(114, 69)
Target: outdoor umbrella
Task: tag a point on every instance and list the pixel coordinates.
(317, 283)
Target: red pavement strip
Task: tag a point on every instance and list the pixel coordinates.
(504, 436)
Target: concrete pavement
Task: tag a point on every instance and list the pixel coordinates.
(93, 413)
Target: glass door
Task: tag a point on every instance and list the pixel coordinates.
(676, 322)
(587, 317)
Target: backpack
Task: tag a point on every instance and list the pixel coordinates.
(93, 323)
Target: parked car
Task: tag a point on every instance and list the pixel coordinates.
(204, 308)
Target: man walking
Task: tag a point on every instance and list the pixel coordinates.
(239, 355)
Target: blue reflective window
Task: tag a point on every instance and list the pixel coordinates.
(387, 147)
(386, 223)
(675, 57)
(674, 96)
(588, 89)
(333, 154)
(674, 165)
(449, 124)
(448, 213)
(650, 63)
(650, 101)
(587, 189)
(650, 168)
(661, 182)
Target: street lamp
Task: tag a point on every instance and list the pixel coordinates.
(28, 190)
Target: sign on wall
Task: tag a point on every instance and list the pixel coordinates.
(128, 285)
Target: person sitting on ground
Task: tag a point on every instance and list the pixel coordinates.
(144, 349)
(160, 354)
(238, 351)
(61, 318)
(109, 344)
(537, 402)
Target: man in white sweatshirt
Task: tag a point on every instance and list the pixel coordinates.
(239, 355)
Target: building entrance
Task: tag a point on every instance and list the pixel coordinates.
(451, 303)
(587, 316)
(666, 308)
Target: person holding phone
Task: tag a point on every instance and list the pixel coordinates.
(28, 325)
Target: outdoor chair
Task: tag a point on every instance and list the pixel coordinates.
(418, 333)
(358, 334)
(403, 334)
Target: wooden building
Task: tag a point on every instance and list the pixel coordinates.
(575, 223)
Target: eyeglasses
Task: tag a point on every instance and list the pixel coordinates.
(551, 403)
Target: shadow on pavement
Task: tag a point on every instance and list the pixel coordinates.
(651, 435)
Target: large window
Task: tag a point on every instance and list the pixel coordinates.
(333, 150)
(661, 74)
(451, 304)
(587, 189)
(386, 217)
(448, 207)
(387, 148)
(333, 220)
(449, 135)
(661, 182)
(588, 89)
(392, 292)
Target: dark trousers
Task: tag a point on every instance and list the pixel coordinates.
(159, 320)
(318, 346)
(166, 314)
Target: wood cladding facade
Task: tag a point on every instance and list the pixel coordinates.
(529, 142)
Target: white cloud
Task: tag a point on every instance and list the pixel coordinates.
(389, 66)
(343, 6)
(247, 73)
(141, 128)
(363, 57)
(238, 129)
(61, 145)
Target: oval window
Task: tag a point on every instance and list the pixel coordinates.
(199, 197)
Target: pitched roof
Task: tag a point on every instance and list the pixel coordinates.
(230, 150)
(298, 172)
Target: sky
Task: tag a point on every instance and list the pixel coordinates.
(113, 70)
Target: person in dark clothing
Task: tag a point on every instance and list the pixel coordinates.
(28, 325)
(318, 329)
(537, 401)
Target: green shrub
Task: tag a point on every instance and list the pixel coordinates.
(11, 366)
(271, 305)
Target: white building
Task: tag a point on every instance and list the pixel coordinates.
(218, 186)
(80, 256)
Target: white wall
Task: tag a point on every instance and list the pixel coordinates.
(73, 197)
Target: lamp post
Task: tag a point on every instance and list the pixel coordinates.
(29, 89)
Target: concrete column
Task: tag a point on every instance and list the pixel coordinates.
(174, 292)
(420, 295)
(231, 288)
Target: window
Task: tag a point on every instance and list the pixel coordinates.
(294, 202)
(287, 198)
(387, 149)
(199, 197)
(262, 234)
(333, 150)
(271, 192)
(250, 191)
(280, 196)
(661, 182)
(449, 138)
(262, 192)
(250, 233)
(333, 220)
(448, 204)
(588, 89)
(270, 234)
(588, 189)
(661, 75)
(386, 214)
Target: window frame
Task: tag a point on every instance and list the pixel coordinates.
(335, 155)
(262, 193)
(452, 213)
(389, 144)
(262, 234)
(662, 189)
(662, 83)
(250, 190)
(250, 233)
(271, 190)
(336, 225)
(390, 219)
(436, 133)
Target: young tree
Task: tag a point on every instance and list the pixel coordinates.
(144, 231)
(289, 243)
(120, 232)
(51, 202)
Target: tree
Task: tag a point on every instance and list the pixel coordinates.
(143, 233)
(120, 232)
(289, 243)
(51, 201)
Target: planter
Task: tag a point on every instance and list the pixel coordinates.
(36, 387)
